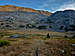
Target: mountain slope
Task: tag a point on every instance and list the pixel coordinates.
(14, 17)
(18, 20)
(62, 20)
(16, 8)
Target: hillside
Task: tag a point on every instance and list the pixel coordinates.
(16, 8)
(14, 17)
(19, 20)
(61, 21)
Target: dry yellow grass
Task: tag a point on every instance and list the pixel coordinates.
(26, 46)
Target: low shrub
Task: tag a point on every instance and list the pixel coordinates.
(73, 37)
(66, 36)
(4, 43)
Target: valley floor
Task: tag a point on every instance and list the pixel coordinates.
(36, 44)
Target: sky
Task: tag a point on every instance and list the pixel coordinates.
(47, 5)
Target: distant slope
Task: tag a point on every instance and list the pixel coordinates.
(19, 20)
(62, 21)
(14, 17)
(16, 8)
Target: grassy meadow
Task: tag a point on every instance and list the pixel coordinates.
(32, 42)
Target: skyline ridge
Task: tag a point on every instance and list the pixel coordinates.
(33, 8)
(47, 5)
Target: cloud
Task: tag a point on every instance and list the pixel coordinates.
(66, 6)
(48, 5)
(58, 5)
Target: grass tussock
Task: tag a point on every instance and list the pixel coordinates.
(4, 43)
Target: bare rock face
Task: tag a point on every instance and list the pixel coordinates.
(16, 8)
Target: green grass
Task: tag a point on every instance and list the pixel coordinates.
(4, 43)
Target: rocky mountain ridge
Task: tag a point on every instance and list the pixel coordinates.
(62, 21)
(17, 8)
(12, 17)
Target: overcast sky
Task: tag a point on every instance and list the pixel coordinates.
(48, 5)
